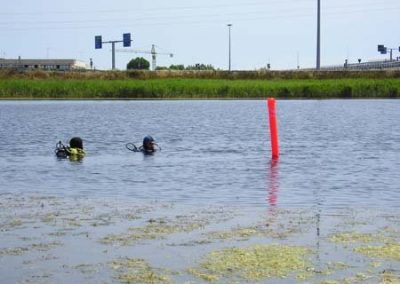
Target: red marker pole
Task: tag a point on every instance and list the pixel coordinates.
(273, 126)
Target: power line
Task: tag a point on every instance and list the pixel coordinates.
(258, 15)
(195, 8)
(205, 19)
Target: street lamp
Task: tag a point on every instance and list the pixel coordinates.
(229, 27)
(319, 35)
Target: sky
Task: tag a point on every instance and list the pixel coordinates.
(279, 32)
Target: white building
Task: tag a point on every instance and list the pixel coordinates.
(42, 64)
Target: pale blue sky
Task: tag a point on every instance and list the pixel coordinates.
(263, 31)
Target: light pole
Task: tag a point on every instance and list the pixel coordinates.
(319, 35)
(229, 28)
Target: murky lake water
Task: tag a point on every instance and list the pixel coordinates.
(333, 153)
(339, 159)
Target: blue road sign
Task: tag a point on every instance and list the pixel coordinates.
(127, 39)
(98, 44)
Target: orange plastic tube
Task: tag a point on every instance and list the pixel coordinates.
(273, 126)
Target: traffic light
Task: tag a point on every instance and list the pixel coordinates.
(127, 39)
(98, 44)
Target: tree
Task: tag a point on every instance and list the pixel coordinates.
(139, 63)
(200, 67)
(177, 67)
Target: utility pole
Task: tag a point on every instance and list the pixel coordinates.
(298, 60)
(113, 54)
(319, 35)
(229, 28)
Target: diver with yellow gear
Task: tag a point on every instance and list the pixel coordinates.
(74, 151)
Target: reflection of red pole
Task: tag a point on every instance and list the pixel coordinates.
(273, 126)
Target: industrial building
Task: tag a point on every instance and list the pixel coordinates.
(42, 64)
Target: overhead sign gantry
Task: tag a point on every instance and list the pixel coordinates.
(126, 40)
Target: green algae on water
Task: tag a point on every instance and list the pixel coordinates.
(149, 232)
(160, 228)
(389, 276)
(387, 251)
(241, 233)
(13, 251)
(355, 237)
(253, 263)
(134, 270)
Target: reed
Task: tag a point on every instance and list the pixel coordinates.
(178, 88)
(187, 74)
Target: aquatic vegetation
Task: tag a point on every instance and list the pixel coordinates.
(255, 231)
(235, 233)
(13, 251)
(356, 237)
(153, 230)
(390, 277)
(387, 251)
(41, 225)
(162, 227)
(253, 263)
(207, 88)
(134, 270)
(88, 269)
(21, 250)
(385, 277)
(11, 224)
(285, 226)
(45, 246)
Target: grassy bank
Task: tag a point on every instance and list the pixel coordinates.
(190, 84)
(197, 88)
(187, 74)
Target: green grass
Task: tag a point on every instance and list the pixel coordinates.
(180, 88)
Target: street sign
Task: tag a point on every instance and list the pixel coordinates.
(127, 39)
(98, 42)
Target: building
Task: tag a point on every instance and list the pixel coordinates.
(42, 64)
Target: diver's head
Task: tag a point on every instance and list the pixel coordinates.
(76, 142)
(148, 143)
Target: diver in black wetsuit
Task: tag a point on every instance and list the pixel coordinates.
(149, 146)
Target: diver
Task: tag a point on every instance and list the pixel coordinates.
(73, 151)
(149, 146)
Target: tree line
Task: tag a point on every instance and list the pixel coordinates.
(139, 63)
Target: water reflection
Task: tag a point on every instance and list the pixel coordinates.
(272, 184)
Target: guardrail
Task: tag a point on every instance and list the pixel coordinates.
(371, 65)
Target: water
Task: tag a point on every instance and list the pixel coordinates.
(338, 173)
(334, 153)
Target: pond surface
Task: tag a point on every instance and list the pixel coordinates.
(180, 215)
(334, 153)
